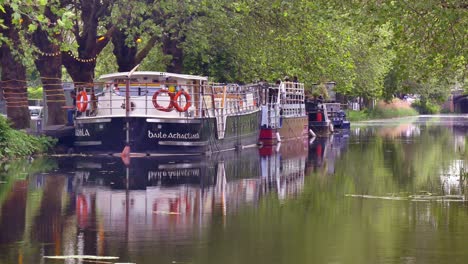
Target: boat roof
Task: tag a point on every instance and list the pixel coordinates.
(152, 73)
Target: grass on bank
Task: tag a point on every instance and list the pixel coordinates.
(394, 108)
(380, 113)
(15, 143)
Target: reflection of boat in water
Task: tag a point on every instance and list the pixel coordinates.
(95, 205)
(323, 151)
(283, 167)
(156, 199)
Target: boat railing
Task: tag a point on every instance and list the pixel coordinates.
(170, 100)
(292, 99)
(285, 99)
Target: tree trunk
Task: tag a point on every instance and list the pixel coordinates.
(13, 75)
(125, 55)
(15, 90)
(80, 66)
(49, 65)
(81, 71)
(50, 69)
(171, 47)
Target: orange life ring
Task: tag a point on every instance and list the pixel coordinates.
(163, 108)
(81, 105)
(187, 101)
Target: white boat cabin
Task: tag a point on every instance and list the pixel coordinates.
(162, 94)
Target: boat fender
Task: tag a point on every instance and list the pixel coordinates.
(188, 103)
(160, 107)
(82, 101)
(331, 127)
(312, 134)
(278, 137)
(278, 147)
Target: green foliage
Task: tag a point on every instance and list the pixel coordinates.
(35, 93)
(15, 143)
(425, 107)
(380, 113)
(371, 49)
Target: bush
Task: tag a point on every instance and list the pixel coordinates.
(426, 108)
(357, 115)
(15, 143)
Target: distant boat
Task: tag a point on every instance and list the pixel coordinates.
(337, 115)
(283, 112)
(324, 118)
(164, 113)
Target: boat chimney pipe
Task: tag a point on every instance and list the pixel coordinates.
(127, 91)
(126, 151)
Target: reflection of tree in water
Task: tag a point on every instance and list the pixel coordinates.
(48, 224)
(13, 212)
(380, 165)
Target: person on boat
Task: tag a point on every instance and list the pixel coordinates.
(320, 99)
(172, 86)
(295, 81)
(73, 97)
(116, 89)
(283, 88)
(272, 92)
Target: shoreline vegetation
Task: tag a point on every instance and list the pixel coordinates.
(384, 110)
(17, 143)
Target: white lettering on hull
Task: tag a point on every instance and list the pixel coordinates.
(161, 135)
(82, 132)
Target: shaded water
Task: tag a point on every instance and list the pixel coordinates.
(387, 192)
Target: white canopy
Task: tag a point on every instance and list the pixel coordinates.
(151, 74)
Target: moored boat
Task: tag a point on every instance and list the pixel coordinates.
(337, 115)
(164, 113)
(319, 121)
(283, 112)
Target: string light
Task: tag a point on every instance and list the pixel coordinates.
(80, 59)
(58, 53)
(50, 54)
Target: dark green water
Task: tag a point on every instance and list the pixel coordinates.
(387, 192)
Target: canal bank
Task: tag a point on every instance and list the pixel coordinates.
(395, 108)
(15, 143)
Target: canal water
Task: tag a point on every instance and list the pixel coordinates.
(385, 192)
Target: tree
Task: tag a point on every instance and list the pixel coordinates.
(429, 40)
(13, 75)
(90, 18)
(49, 64)
(144, 25)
